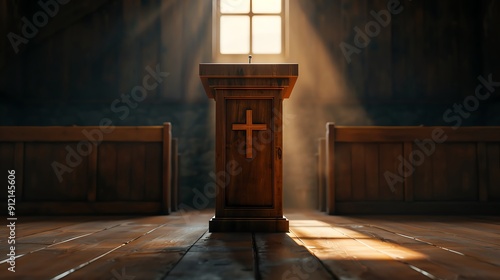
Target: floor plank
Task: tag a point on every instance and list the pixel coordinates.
(347, 256)
(431, 260)
(26, 226)
(151, 256)
(456, 239)
(217, 256)
(284, 256)
(51, 236)
(318, 246)
(72, 254)
(436, 249)
(483, 252)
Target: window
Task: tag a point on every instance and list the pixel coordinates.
(244, 27)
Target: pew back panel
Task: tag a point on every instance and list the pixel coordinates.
(397, 170)
(89, 170)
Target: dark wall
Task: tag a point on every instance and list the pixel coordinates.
(82, 64)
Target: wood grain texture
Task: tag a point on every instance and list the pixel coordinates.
(318, 246)
(330, 169)
(482, 171)
(78, 165)
(80, 133)
(166, 168)
(389, 163)
(405, 133)
(220, 75)
(255, 186)
(322, 174)
(392, 67)
(214, 255)
(372, 173)
(440, 184)
(408, 180)
(38, 171)
(175, 175)
(493, 151)
(343, 180)
(249, 162)
(358, 172)
(7, 162)
(386, 164)
(153, 178)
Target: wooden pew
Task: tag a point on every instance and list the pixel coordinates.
(175, 175)
(321, 174)
(88, 169)
(413, 170)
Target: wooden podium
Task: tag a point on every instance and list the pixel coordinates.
(249, 150)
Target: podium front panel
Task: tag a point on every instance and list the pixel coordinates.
(249, 144)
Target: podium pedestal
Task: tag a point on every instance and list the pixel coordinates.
(249, 150)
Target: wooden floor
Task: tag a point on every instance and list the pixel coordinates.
(317, 247)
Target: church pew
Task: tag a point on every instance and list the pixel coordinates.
(175, 175)
(412, 170)
(321, 174)
(88, 169)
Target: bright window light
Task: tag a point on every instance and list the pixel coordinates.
(250, 26)
(234, 34)
(235, 6)
(266, 6)
(266, 34)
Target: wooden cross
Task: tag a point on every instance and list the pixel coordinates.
(249, 127)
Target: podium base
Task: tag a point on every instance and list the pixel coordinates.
(248, 224)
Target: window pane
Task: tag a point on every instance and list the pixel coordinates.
(266, 6)
(234, 34)
(266, 34)
(235, 6)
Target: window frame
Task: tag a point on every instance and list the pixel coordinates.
(219, 57)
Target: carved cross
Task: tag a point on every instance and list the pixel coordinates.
(249, 127)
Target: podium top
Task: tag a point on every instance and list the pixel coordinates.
(211, 75)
